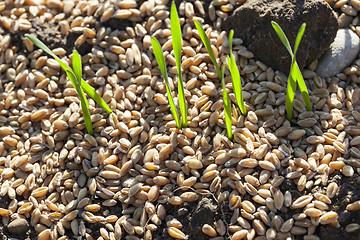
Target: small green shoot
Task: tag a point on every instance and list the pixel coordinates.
(295, 73)
(220, 73)
(76, 75)
(207, 45)
(227, 105)
(235, 77)
(75, 78)
(159, 55)
(84, 85)
(176, 40)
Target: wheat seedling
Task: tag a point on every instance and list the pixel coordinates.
(220, 73)
(235, 77)
(176, 41)
(295, 73)
(79, 84)
(159, 55)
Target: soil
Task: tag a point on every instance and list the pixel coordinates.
(115, 24)
(349, 192)
(252, 23)
(5, 234)
(49, 33)
(95, 227)
(193, 216)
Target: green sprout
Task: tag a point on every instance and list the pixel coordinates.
(79, 84)
(227, 106)
(235, 77)
(159, 55)
(176, 39)
(207, 45)
(295, 73)
(220, 73)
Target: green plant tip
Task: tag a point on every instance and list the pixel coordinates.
(235, 77)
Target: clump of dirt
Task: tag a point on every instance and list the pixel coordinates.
(349, 192)
(252, 23)
(5, 234)
(116, 24)
(48, 33)
(192, 216)
(5, 201)
(205, 213)
(95, 227)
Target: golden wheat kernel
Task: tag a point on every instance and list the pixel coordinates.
(313, 212)
(323, 198)
(209, 230)
(248, 206)
(353, 206)
(176, 233)
(239, 234)
(328, 217)
(45, 234)
(302, 201)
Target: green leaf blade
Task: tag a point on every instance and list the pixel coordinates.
(282, 37)
(298, 38)
(182, 101)
(296, 74)
(231, 35)
(207, 44)
(159, 55)
(42, 46)
(76, 63)
(236, 82)
(86, 87)
(84, 102)
(172, 105)
(176, 36)
(176, 41)
(227, 106)
(94, 95)
(235, 77)
(290, 95)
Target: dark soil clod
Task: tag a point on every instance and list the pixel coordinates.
(252, 23)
